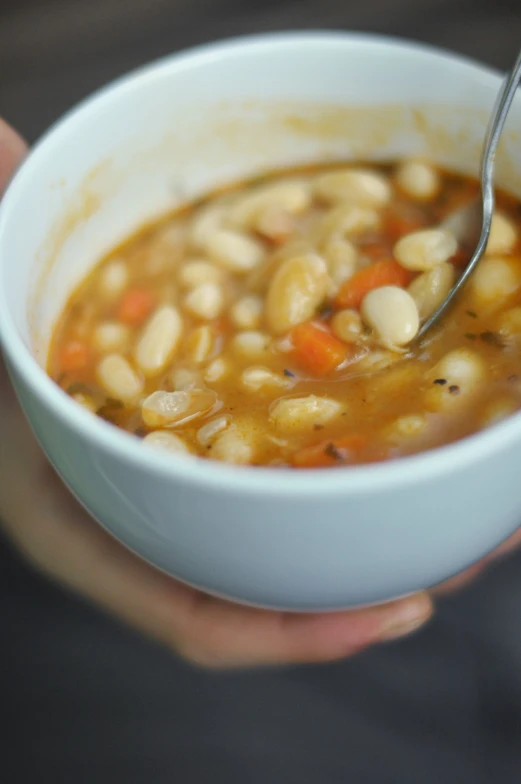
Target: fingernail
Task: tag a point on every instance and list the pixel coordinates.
(411, 615)
(395, 632)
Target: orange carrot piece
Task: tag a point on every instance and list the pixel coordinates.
(74, 355)
(135, 306)
(330, 453)
(386, 272)
(317, 350)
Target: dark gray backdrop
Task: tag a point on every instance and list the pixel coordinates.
(84, 700)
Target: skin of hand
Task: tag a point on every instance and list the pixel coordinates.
(58, 537)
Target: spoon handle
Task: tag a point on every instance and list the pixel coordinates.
(493, 133)
(495, 128)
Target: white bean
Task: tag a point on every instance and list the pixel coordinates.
(503, 235)
(297, 289)
(256, 378)
(460, 365)
(205, 301)
(197, 272)
(206, 222)
(408, 426)
(199, 344)
(118, 378)
(493, 281)
(163, 409)
(259, 279)
(113, 278)
(167, 250)
(159, 340)
(509, 323)
(246, 313)
(162, 439)
(362, 187)
(376, 360)
(283, 345)
(207, 433)
(425, 249)
(275, 224)
(392, 313)
(216, 370)
(418, 180)
(347, 326)
(341, 258)
(235, 251)
(172, 235)
(251, 344)
(110, 336)
(185, 379)
(298, 414)
(344, 222)
(291, 249)
(236, 444)
(290, 197)
(429, 289)
(454, 379)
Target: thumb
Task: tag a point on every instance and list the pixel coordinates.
(12, 151)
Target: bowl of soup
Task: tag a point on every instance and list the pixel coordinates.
(212, 276)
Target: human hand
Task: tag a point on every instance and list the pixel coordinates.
(61, 540)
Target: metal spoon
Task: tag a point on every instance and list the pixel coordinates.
(471, 225)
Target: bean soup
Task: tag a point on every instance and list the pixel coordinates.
(273, 322)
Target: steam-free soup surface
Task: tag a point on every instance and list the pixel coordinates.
(273, 323)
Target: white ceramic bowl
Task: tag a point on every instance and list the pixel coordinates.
(174, 129)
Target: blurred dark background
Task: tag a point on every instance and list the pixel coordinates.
(83, 700)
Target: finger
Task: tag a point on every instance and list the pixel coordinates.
(12, 151)
(221, 634)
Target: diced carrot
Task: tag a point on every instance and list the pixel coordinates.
(135, 306)
(317, 350)
(386, 272)
(330, 453)
(74, 355)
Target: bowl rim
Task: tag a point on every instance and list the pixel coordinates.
(210, 474)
